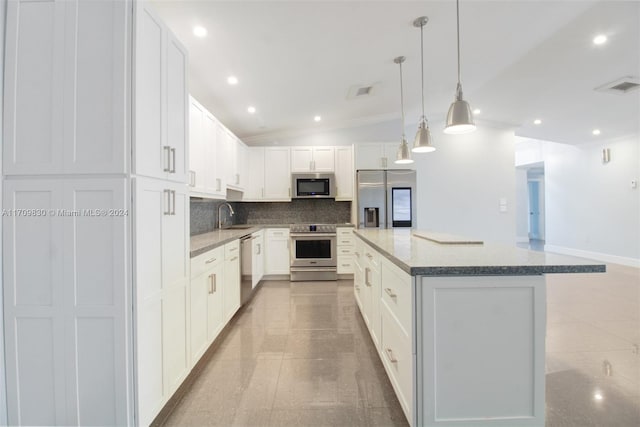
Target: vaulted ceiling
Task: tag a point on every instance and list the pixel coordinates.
(521, 61)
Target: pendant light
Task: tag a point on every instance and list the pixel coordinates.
(404, 154)
(422, 141)
(459, 117)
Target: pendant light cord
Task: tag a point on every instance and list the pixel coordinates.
(458, 34)
(422, 64)
(401, 99)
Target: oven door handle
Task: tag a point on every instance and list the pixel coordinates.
(313, 235)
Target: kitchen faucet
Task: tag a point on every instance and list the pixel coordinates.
(220, 212)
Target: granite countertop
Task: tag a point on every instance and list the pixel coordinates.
(201, 243)
(421, 257)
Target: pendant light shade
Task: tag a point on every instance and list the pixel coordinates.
(459, 117)
(404, 154)
(422, 141)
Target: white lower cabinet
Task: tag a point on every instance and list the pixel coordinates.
(383, 294)
(214, 295)
(162, 244)
(231, 293)
(345, 248)
(277, 257)
(257, 263)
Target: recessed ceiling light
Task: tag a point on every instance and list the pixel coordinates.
(596, 132)
(199, 31)
(477, 111)
(598, 396)
(317, 118)
(600, 39)
(251, 109)
(537, 121)
(232, 80)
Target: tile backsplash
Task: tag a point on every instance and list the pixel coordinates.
(204, 213)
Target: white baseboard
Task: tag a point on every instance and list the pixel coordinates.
(599, 256)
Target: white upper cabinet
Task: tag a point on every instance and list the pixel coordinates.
(65, 87)
(378, 155)
(160, 91)
(254, 190)
(269, 178)
(344, 173)
(205, 178)
(312, 159)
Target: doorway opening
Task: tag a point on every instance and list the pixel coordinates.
(531, 214)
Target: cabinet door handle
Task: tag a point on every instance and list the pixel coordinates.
(392, 359)
(366, 276)
(215, 282)
(357, 254)
(210, 260)
(237, 179)
(357, 288)
(173, 202)
(167, 167)
(389, 292)
(234, 258)
(258, 249)
(211, 283)
(168, 200)
(218, 184)
(172, 167)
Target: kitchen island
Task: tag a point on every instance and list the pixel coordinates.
(459, 324)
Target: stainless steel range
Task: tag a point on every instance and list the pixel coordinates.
(313, 252)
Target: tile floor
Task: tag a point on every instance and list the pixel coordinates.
(300, 355)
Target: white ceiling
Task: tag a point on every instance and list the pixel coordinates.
(521, 60)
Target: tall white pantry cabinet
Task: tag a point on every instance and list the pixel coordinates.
(95, 213)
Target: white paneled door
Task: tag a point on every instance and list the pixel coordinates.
(66, 301)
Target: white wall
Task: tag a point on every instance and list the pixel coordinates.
(461, 184)
(591, 209)
(3, 389)
(522, 206)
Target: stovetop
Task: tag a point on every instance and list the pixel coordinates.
(312, 228)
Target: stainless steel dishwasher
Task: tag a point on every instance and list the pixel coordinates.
(246, 268)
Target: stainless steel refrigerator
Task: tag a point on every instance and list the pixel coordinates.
(386, 198)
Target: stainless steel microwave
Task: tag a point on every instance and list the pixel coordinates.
(313, 185)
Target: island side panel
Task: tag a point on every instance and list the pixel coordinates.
(481, 350)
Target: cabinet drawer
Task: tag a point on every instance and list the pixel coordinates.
(345, 264)
(372, 257)
(206, 260)
(278, 232)
(396, 293)
(397, 358)
(344, 231)
(345, 251)
(231, 250)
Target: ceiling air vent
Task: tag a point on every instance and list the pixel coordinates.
(620, 86)
(361, 91)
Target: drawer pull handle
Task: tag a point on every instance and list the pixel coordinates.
(357, 288)
(389, 292)
(209, 261)
(345, 241)
(390, 355)
(235, 248)
(345, 251)
(369, 255)
(234, 258)
(357, 254)
(345, 265)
